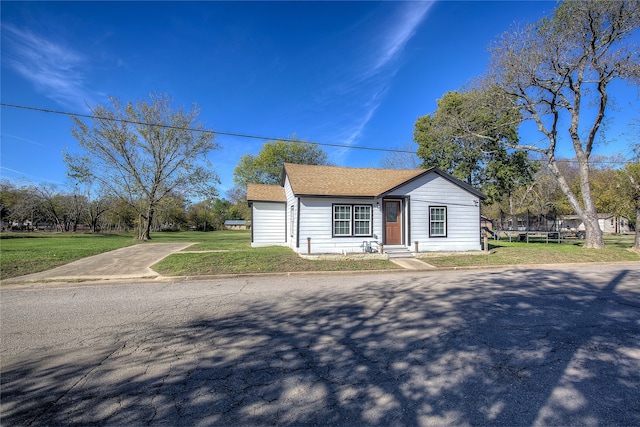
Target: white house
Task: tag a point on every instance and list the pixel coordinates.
(328, 209)
(609, 223)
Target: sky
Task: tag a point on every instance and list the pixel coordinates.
(353, 74)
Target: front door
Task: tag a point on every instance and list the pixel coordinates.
(393, 222)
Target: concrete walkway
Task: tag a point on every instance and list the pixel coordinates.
(134, 262)
(411, 263)
(126, 263)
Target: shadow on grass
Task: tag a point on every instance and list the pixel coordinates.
(510, 348)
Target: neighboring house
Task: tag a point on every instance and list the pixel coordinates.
(328, 209)
(235, 224)
(609, 223)
(485, 222)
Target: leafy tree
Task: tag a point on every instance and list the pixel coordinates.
(467, 137)
(10, 195)
(631, 180)
(266, 167)
(557, 72)
(238, 197)
(119, 217)
(171, 213)
(198, 215)
(142, 152)
(631, 183)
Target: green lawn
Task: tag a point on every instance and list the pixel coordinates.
(22, 253)
(503, 252)
(258, 260)
(230, 252)
(25, 253)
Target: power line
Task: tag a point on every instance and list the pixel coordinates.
(232, 134)
(264, 138)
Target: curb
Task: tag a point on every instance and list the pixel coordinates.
(67, 282)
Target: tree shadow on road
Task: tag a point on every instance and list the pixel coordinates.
(531, 347)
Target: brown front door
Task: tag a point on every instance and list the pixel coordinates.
(393, 222)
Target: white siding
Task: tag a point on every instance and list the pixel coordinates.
(291, 202)
(269, 224)
(613, 224)
(316, 222)
(316, 218)
(463, 214)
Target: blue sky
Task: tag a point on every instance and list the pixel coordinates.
(349, 73)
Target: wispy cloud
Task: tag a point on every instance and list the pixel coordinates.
(401, 32)
(19, 138)
(57, 71)
(368, 80)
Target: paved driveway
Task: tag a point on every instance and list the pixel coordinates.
(125, 263)
(519, 347)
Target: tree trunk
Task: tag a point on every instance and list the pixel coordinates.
(593, 233)
(144, 231)
(635, 188)
(636, 242)
(588, 214)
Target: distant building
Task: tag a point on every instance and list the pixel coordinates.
(236, 224)
(609, 223)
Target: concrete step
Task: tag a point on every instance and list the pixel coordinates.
(398, 252)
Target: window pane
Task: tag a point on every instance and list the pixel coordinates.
(362, 212)
(342, 212)
(438, 221)
(341, 228)
(437, 229)
(342, 220)
(363, 228)
(392, 211)
(362, 220)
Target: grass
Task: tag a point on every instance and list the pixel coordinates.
(511, 253)
(22, 254)
(258, 260)
(240, 257)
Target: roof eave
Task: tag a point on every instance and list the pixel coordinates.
(335, 196)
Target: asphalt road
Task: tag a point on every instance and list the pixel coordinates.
(514, 347)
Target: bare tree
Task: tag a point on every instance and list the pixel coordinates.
(143, 152)
(558, 72)
(404, 158)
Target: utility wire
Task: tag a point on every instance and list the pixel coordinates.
(264, 138)
(232, 134)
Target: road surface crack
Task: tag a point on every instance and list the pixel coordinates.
(66, 392)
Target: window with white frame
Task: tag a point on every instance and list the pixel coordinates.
(341, 220)
(362, 220)
(352, 220)
(438, 221)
